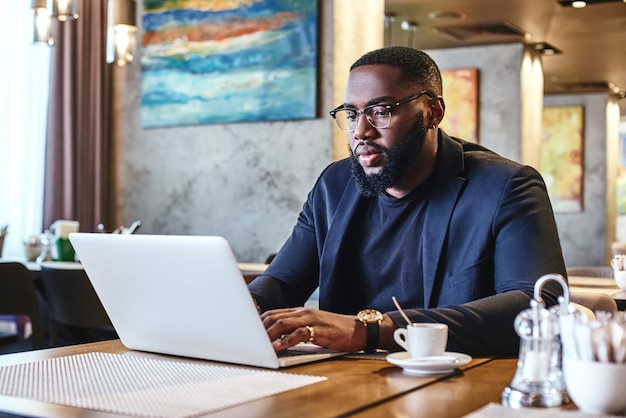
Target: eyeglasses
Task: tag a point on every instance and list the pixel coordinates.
(378, 115)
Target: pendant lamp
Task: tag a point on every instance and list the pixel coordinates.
(64, 9)
(121, 31)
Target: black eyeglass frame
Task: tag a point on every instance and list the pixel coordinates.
(388, 108)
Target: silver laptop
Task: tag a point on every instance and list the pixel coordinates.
(183, 296)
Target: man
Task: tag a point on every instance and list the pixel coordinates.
(456, 233)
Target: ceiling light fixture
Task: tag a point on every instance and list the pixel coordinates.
(447, 15)
(546, 49)
(615, 89)
(579, 4)
(121, 31)
(587, 3)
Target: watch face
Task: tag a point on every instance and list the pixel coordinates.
(370, 315)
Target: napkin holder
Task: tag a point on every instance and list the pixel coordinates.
(538, 380)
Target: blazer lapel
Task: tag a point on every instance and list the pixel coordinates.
(337, 228)
(446, 189)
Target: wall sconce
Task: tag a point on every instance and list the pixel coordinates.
(42, 23)
(121, 31)
(64, 9)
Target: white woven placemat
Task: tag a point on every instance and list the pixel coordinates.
(145, 387)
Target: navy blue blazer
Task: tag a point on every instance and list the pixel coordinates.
(490, 231)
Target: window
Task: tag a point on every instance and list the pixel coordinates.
(24, 79)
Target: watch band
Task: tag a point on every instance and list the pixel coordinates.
(372, 333)
(371, 320)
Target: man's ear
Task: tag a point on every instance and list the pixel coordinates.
(437, 110)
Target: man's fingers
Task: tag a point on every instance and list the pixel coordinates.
(299, 335)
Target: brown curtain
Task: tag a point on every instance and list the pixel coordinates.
(76, 184)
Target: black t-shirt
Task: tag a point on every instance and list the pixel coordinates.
(370, 267)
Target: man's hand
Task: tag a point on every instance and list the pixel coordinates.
(288, 327)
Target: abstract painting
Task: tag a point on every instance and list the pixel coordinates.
(561, 157)
(225, 61)
(460, 91)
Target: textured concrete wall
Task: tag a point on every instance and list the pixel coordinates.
(245, 181)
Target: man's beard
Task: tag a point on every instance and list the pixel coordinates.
(399, 162)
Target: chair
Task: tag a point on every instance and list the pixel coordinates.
(73, 303)
(18, 296)
(591, 301)
(597, 271)
(594, 302)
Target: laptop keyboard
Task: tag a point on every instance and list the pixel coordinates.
(304, 349)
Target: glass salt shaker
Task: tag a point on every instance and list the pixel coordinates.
(46, 248)
(538, 380)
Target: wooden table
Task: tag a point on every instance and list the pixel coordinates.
(457, 396)
(360, 387)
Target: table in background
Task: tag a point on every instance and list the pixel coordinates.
(249, 270)
(598, 285)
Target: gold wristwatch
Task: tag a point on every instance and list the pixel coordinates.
(371, 319)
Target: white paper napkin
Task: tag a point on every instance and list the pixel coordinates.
(494, 410)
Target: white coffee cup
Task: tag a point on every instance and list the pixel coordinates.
(422, 340)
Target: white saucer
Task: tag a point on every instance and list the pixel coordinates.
(428, 365)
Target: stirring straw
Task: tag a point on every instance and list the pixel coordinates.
(404, 315)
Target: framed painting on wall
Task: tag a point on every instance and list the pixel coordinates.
(207, 61)
(561, 157)
(460, 92)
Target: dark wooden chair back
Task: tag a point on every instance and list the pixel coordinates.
(72, 300)
(18, 296)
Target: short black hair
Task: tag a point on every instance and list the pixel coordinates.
(418, 69)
